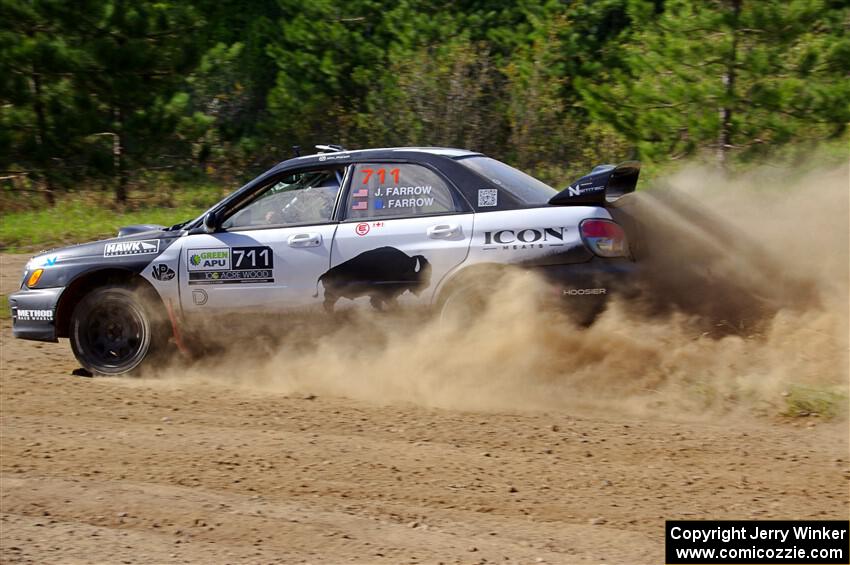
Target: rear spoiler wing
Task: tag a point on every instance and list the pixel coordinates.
(604, 185)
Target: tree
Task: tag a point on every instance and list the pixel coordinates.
(235, 37)
(39, 114)
(139, 52)
(727, 75)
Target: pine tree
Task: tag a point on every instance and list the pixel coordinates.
(139, 53)
(39, 115)
(728, 76)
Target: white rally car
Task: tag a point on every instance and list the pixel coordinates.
(379, 227)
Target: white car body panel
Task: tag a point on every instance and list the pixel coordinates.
(299, 257)
(443, 240)
(515, 236)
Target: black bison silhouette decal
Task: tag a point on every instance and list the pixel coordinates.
(382, 274)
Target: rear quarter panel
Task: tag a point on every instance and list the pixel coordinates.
(530, 237)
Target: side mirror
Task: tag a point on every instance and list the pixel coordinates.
(211, 222)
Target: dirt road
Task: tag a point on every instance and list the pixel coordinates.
(172, 471)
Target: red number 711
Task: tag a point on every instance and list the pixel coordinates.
(382, 173)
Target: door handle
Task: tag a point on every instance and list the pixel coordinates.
(305, 240)
(443, 231)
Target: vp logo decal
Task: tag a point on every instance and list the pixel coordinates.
(162, 272)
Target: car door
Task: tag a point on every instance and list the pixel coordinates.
(403, 228)
(269, 252)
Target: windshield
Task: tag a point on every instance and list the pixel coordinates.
(524, 187)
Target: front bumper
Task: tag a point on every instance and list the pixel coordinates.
(34, 313)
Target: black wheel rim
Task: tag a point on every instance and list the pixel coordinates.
(113, 334)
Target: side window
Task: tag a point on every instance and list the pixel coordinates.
(300, 198)
(388, 190)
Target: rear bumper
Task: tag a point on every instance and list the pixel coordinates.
(594, 280)
(34, 313)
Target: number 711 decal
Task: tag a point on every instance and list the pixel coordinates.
(380, 173)
(230, 265)
(252, 258)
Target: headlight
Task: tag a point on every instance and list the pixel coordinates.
(34, 277)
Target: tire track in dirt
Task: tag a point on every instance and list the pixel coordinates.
(159, 471)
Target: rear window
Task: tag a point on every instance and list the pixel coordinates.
(523, 187)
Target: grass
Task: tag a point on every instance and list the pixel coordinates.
(810, 401)
(5, 311)
(81, 217)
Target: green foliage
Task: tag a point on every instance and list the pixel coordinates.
(535, 108)
(727, 76)
(810, 401)
(440, 95)
(89, 81)
(39, 124)
(80, 217)
(109, 91)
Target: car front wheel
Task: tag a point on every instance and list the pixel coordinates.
(114, 329)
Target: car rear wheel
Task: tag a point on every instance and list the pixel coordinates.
(463, 304)
(114, 329)
(469, 299)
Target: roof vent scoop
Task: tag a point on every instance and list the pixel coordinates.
(604, 185)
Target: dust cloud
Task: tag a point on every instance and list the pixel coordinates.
(742, 309)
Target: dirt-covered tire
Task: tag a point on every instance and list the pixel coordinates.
(462, 304)
(468, 298)
(114, 329)
(583, 313)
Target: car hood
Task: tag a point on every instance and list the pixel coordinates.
(139, 229)
(151, 240)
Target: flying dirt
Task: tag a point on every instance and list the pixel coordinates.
(741, 308)
(715, 389)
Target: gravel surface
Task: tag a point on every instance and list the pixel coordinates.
(97, 470)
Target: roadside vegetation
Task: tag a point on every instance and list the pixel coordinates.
(28, 224)
(77, 217)
(115, 113)
(801, 401)
(107, 93)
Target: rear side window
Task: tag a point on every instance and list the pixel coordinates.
(523, 187)
(390, 190)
